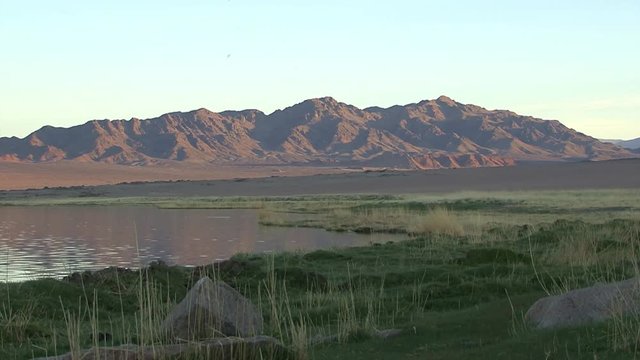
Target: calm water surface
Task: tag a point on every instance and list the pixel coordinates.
(54, 241)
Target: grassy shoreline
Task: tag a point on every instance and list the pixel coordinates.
(458, 286)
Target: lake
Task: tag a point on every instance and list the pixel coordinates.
(53, 241)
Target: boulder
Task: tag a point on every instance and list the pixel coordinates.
(212, 309)
(258, 347)
(587, 305)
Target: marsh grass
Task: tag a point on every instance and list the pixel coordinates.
(459, 285)
(623, 331)
(439, 221)
(586, 253)
(73, 324)
(16, 324)
(475, 212)
(590, 254)
(349, 293)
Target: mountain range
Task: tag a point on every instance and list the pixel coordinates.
(633, 144)
(440, 133)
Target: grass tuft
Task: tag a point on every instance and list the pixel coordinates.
(437, 221)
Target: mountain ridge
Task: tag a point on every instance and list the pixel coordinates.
(439, 133)
(633, 144)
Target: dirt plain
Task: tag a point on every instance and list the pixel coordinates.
(21, 176)
(72, 180)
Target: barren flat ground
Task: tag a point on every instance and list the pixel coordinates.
(20, 176)
(273, 182)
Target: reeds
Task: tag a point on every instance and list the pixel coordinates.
(436, 221)
(15, 322)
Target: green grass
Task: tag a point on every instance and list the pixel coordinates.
(456, 294)
(448, 293)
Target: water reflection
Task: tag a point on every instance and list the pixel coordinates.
(54, 241)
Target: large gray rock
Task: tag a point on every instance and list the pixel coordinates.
(582, 306)
(260, 347)
(213, 309)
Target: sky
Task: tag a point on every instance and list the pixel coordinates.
(63, 63)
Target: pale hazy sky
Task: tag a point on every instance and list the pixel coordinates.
(65, 62)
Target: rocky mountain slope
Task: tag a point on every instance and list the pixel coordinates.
(431, 134)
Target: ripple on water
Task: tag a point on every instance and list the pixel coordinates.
(54, 241)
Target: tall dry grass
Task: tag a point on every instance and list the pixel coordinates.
(15, 322)
(436, 221)
(591, 257)
(349, 310)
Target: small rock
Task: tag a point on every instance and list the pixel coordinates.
(213, 308)
(583, 306)
(388, 333)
